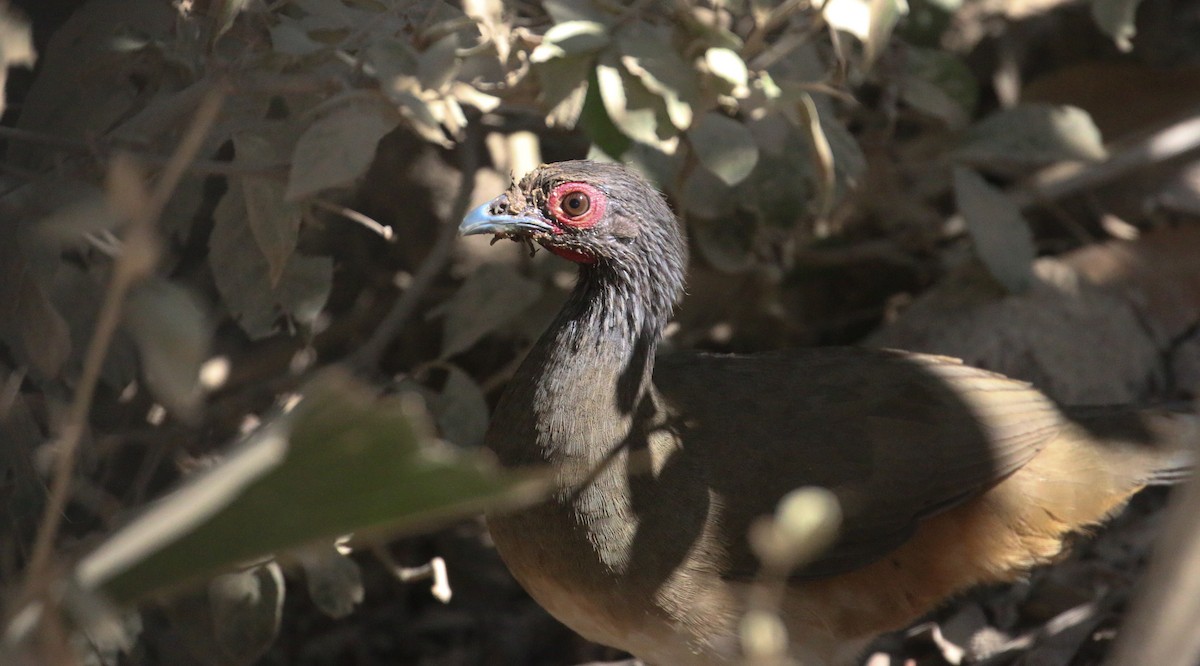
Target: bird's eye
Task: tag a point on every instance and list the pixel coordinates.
(575, 204)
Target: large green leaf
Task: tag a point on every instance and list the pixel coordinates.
(342, 461)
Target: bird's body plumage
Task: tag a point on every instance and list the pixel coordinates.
(947, 476)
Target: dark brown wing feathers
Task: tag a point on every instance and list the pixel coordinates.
(860, 422)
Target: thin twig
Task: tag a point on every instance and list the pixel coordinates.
(367, 357)
(434, 569)
(355, 216)
(131, 266)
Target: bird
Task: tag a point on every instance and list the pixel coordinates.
(947, 476)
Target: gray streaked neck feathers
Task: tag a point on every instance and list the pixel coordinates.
(573, 400)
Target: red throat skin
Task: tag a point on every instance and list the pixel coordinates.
(572, 255)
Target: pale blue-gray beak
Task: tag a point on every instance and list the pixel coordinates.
(482, 221)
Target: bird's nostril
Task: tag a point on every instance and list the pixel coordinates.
(500, 206)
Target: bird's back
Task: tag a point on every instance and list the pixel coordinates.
(949, 476)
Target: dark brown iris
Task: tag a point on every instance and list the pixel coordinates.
(576, 204)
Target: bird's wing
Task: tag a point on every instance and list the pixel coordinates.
(896, 436)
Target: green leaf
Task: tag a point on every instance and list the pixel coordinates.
(80, 209)
(848, 159)
(726, 245)
(227, 12)
(337, 148)
(657, 166)
(632, 108)
(16, 45)
(707, 197)
(852, 16)
(334, 580)
(289, 38)
(78, 296)
(699, 22)
(173, 333)
(274, 222)
(604, 134)
(420, 117)
(342, 461)
(563, 11)
(940, 85)
(243, 276)
(885, 14)
(724, 147)
(332, 15)
(822, 155)
(234, 619)
(1117, 19)
(564, 87)
(392, 58)
(570, 39)
(489, 17)
(1031, 135)
(491, 297)
(461, 410)
(871, 21)
(781, 187)
(726, 65)
(647, 54)
(1000, 233)
(438, 65)
(30, 326)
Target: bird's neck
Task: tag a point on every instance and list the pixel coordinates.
(575, 398)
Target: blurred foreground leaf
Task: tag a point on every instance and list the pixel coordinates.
(344, 461)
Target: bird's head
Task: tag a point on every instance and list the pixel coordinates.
(591, 213)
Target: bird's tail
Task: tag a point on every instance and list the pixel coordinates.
(1162, 443)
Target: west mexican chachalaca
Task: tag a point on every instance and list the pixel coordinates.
(947, 476)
